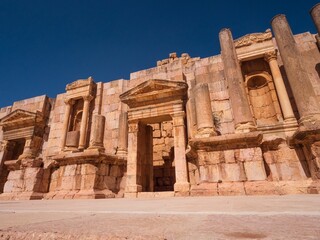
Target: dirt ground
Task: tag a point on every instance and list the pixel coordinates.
(239, 217)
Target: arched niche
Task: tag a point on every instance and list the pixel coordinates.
(262, 97)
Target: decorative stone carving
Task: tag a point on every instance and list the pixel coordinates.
(272, 55)
(79, 83)
(252, 38)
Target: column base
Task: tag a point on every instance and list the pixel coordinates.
(122, 153)
(245, 127)
(291, 121)
(94, 150)
(132, 191)
(182, 189)
(206, 132)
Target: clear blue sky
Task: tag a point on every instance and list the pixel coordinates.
(46, 44)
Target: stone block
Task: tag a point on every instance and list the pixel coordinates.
(115, 171)
(214, 174)
(204, 189)
(229, 156)
(88, 181)
(70, 170)
(110, 182)
(158, 141)
(231, 188)
(232, 171)
(67, 183)
(260, 188)
(255, 171)
(88, 169)
(15, 175)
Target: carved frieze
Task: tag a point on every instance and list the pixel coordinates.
(252, 38)
(79, 83)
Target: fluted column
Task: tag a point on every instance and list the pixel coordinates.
(288, 115)
(182, 184)
(84, 121)
(123, 134)
(241, 110)
(299, 80)
(69, 103)
(205, 124)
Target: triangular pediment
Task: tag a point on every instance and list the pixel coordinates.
(154, 91)
(20, 118)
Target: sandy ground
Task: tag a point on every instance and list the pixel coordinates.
(222, 217)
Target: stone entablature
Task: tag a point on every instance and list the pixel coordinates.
(231, 124)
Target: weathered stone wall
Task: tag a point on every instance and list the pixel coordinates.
(82, 180)
(111, 108)
(272, 166)
(163, 158)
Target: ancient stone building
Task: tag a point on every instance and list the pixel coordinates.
(243, 122)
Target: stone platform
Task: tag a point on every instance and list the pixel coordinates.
(222, 217)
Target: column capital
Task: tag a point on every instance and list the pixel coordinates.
(178, 119)
(3, 144)
(88, 98)
(178, 115)
(272, 55)
(133, 126)
(69, 101)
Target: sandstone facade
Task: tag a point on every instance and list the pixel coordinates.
(243, 122)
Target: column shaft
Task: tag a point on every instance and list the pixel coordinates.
(205, 124)
(241, 110)
(132, 159)
(123, 134)
(84, 122)
(65, 126)
(315, 14)
(180, 161)
(284, 100)
(97, 135)
(299, 80)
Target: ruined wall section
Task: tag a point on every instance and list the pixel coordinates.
(55, 125)
(210, 70)
(111, 108)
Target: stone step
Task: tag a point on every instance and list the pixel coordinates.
(156, 194)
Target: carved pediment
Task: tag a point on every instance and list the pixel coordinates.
(20, 118)
(154, 91)
(79, 83)
(252, 38)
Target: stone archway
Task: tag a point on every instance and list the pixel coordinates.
(150, 102)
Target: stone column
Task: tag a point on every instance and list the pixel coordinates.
(96, 141)
(205, 124)
(288, 115)
(299, 80)
(132, 186)
(182, 184)
(27, 150)
(123, 134)
(84, 121)
(315, 14)
(69, 103)
(241, 110)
